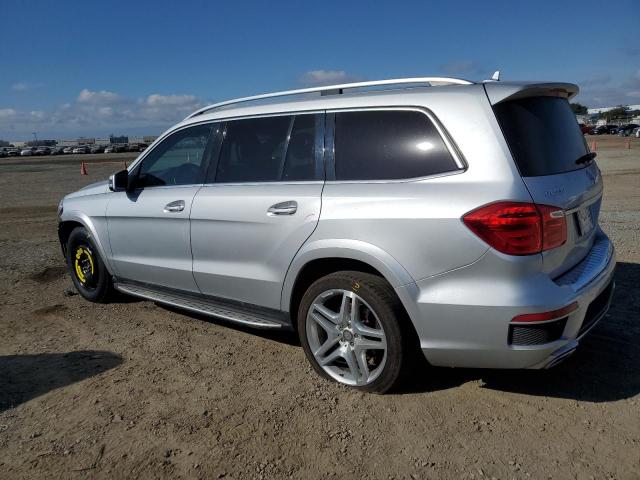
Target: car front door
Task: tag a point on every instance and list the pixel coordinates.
(149, 229)
(258, 206)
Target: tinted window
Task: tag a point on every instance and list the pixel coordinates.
(253, 150)
(178, 160)
(387, 145)
(268, 149)
(543, 135)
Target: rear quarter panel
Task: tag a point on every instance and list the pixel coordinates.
(418, 222)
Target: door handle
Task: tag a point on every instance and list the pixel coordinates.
(283, 208)
(174, 207)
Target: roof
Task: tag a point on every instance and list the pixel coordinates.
(393, 92)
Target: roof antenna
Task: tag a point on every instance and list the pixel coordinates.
(496, 76)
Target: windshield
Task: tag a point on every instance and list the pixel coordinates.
(543, 135)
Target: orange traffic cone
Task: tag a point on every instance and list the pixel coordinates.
(83, 169)
(594, 146)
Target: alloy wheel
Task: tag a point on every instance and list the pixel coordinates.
(346, 337)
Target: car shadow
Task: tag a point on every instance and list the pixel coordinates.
(287, 337)
(119, 297)
(606, 366)
(23, 377)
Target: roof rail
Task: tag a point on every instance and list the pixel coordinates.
(337, 89)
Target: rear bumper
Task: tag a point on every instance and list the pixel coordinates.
(462, 317)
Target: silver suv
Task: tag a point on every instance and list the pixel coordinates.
(376, 219)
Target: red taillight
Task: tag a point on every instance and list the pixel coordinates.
(518, 228)
(545, 316)
(554, 226)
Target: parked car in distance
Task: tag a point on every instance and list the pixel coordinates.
(585, 129)
(27, 152)
(636, 132)
(81, 149)
(603, 129)
(96, 149)
(118, 148)
(57, 150)
(133, 148)
(374, 224)
(42, 151)
(625, 130)
(67, 150)
(3, 152)
(13, 152)
(109, 149)
(143, 147)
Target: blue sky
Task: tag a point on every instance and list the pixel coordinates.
(73, 68)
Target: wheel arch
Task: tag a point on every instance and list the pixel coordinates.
(72, 220)
(323, 257)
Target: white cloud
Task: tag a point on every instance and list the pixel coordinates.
(20, 87)
(105, 111)
(99, 113)
(103, 96)
(156, 100)
(327, 77)
(25, 87)
(7, 113)
(603, 91)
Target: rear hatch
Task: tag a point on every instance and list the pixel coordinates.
(551, 154)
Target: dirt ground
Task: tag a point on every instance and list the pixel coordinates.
(134, 390)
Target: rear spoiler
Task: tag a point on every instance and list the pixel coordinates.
(498, 92)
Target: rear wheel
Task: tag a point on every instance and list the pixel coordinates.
(89, 275)
(350, 328)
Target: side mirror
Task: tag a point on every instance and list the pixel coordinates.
(119, 181)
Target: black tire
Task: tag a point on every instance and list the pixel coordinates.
(379, 295)
(88, 272)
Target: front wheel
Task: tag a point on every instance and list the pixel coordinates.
(89, 275)
(350, 328)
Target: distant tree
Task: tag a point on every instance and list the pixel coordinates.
(619, 113)
(4, 143)
(578, 109)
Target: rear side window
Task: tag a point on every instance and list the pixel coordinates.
(543, 135)
(388, 145)
(269, 149)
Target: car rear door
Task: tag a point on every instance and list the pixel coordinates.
(149, 230)
(260, 203)
(556, 166)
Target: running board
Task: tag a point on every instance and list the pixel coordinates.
(237, 312)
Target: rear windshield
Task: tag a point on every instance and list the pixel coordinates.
(543, 135)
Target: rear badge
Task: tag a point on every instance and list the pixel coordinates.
(555, 191)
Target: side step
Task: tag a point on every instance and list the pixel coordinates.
(232, 311)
